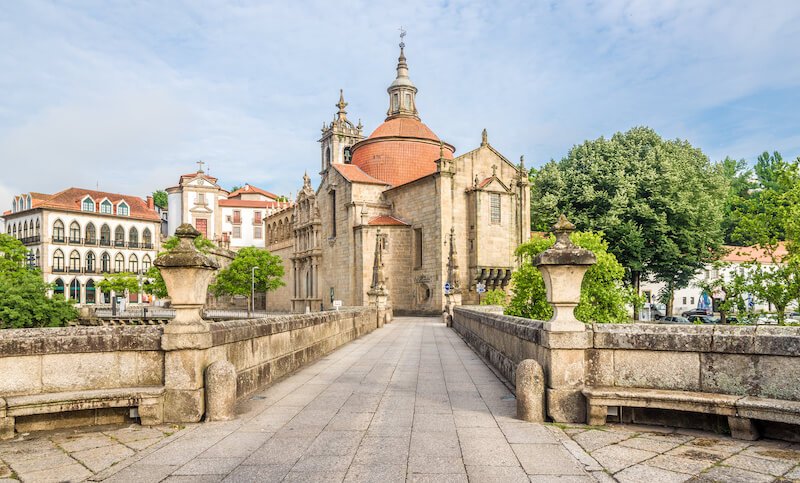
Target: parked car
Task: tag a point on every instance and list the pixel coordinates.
(767, 319)
(696, 312)
(702, 319)
(674, 319)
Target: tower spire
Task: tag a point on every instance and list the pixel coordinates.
(342, 114)
(402, 92)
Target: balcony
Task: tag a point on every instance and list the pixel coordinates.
(90, 242)
(90, 270)
(74, 270)
(133, 244)
(58, 270)
(105, 243)
(30, 240)
(74, 241)
(119, 243)
(147, 246)
(58, 239)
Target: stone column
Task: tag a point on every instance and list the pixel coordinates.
(378, 294)
(453, 296)
(565, 337)
(187, 273)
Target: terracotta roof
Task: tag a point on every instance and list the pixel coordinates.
(254, 203)
(247, 189)
(200, 174)
(407, 127)
(752, 254)
(354, 174)
(70, 200)
(386, 220)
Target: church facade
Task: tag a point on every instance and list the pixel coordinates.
(404, 186)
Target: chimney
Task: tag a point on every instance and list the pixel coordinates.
(150, 203)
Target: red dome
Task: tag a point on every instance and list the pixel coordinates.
(399, 151)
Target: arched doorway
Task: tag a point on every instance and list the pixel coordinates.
(75, 290)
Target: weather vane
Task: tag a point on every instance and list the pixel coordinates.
(402, 34)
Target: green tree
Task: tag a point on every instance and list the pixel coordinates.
(658, 203)
(154, 282)
(778, 285)
(603, 295)
(119, 283)
(236, 278)
(494, 297)
(741, 185)
(732, 289)
(160, 199)
(23, 292)
(235, 187)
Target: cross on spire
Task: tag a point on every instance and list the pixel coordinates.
(402, 34)
(200, 166)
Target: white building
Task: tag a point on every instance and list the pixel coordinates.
(77, 235)
(734, 261)
(233, 220)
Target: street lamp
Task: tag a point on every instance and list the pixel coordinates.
(252, 288)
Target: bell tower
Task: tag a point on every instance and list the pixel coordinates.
(338, 136)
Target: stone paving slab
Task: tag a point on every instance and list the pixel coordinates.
(408, 402)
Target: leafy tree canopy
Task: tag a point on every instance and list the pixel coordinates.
(160, 199)
(603, 296)
(236, 278)
(494, 297)
(119, 283)
(23, 292)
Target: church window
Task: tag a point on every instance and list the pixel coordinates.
(237, 231)
(417, 247)
(408, 101)
(347, 155)
(395, 101)
(327, 157)
(495, 207)
(333, 213)
(201, 198)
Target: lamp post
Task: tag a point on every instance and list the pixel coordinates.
(252, 289)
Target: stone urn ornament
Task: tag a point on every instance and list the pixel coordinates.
(563, 267)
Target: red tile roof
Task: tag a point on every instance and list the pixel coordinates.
(200, 175)
(406, 127)
(70, 200)
(255, 203)
(354, 174)
(248, 189)
(752, 254)
(386, 220)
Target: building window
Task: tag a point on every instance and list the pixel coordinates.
(684, 300)
(58, 287)
(146, 263)
(417, 247)
(119, 263)
(75, 290)
(692, 300)
(74, 232)
(105, 236)
(105, 263)
(133, 238)
(58, 231)
(119, 237)
(257, 232)
(327, 157)
(122, 209)
(147, 241)
(90, 262)
(348, 155)
(74, 262)
(105, 207)
(395, 102)
(91, 233)
(494, 199)
(201, 198)
(58, 261)
(88, 205)
(38, 229)
(237, 231)
(333, 213)
(257, 218)
(133, 264)
(237, 216)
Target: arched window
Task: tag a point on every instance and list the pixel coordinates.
(25, 230)
(105, 263)
(38, 259)
(88, 204)
(58, 261)
(146, 263)
(119, 237)
(133, 264)
(38, 229)
(74, 232)
(15, 230)
(74, 262)
(347, 155)
(327, 157)
(122, 209)
(119, 263)
(105, 207)
(58, 231)
(91, 234)
(91, 263)
(75, 290)
(133, 238)
(58, 287)
(14, 206)
(105, 236)
(147, 238)
(91, 295)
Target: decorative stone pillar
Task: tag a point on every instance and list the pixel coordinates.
(187, 273)
(565, 337)
(453, 296)
(378, 294)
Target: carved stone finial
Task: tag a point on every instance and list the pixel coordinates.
(563, 228)
(522, 163)
(306, 181)
(484, 138)
(342, 114)
(441, 150)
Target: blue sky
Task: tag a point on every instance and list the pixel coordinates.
(128, 95)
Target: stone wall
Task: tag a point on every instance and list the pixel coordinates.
(759, 361)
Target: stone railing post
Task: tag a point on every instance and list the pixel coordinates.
(378, 294)
(565, 337)
(452, 296)
(187, 273)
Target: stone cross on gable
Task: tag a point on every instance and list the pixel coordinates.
(494, 170)
(200, 166)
